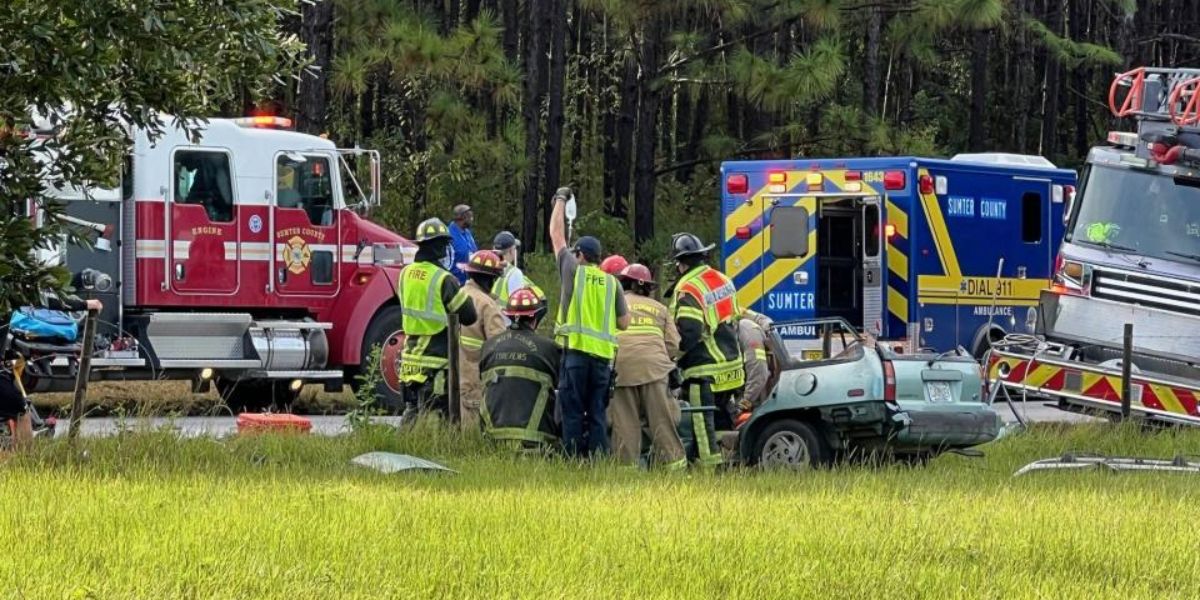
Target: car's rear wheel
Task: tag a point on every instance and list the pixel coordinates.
(792, 445)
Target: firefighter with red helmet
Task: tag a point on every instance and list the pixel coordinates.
(428, 293)
(520, 375)
(705, 309)
(646, 353)
(614, 264)
(482, 271)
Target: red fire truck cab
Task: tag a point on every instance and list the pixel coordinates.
(244, 258)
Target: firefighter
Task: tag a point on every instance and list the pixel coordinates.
(520, 375)
(705, 309)
(482, 271)
(645, 358)
(591, 311)
(614, 264)
(427, 293)
(508, 246)
(752, 334)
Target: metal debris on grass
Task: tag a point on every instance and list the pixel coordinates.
(390, 462)
(1075, 462)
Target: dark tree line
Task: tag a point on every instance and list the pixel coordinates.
(636, 102)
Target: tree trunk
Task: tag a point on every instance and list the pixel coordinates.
(977, 132)
(647, 133)
(557, 12)
(1050, 92)
(316, 31)
(509, 20)
(691, 149)
(872, 96)
(531, 113)
(626, 121)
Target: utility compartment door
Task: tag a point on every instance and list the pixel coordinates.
(305, 225)
(788, 272)
(202, 238)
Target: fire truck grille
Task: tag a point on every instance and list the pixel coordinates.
(1152, 292)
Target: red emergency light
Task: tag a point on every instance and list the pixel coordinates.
(738, 183)
(894, 180)
(743, 233)
(853, 175)
(925, 183)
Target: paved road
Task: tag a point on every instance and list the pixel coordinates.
(1036, 412)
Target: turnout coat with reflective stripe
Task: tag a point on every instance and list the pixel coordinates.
(646, 350)
(705, 310)
(520, 374)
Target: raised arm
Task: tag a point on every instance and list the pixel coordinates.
(558, 237)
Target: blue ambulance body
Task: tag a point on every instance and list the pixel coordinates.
(931, 253)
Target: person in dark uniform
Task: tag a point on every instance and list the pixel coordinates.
(520, 375)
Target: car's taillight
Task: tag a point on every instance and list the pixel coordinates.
(889, 381)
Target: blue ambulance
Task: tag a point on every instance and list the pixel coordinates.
(926, 253)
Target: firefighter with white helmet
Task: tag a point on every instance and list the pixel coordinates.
(482, 270)
(428, 293)
(645, 358)
(705, 309)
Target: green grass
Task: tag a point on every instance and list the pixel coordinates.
(144, 515)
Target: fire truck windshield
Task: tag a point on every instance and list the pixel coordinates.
(1141, 213)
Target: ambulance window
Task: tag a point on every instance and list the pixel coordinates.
(306, 185)
(202, 177)
(871, 226)
(1031, 217)
(789, 231)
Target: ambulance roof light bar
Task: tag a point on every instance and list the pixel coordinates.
(264, 122)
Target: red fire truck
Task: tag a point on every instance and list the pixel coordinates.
(244, 258)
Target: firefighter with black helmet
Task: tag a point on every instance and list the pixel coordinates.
(428, 293)
(645, 358)
(483, 269)
(520, 375)
(705, 309)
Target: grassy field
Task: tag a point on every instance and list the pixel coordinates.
(145, 515)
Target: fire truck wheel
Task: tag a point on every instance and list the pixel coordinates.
(253, 395)
(384, 332)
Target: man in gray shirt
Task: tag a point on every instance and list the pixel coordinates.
(591, 310)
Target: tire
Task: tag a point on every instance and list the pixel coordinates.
(254, 395)
(384, 331)
(792, 445)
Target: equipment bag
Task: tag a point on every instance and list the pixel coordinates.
(43, 324)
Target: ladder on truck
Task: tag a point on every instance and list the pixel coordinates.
(1157, 94)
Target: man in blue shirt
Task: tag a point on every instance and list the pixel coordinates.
(462, 240)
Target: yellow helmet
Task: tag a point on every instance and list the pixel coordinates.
(431, 229)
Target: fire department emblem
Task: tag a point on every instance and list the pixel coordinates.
(297, 255)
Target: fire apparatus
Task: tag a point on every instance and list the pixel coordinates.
(243, 258)
(920, 252)
(1130, 255)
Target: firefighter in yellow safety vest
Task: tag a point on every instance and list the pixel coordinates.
(482, 271)
(705, 309)
(428, 293)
